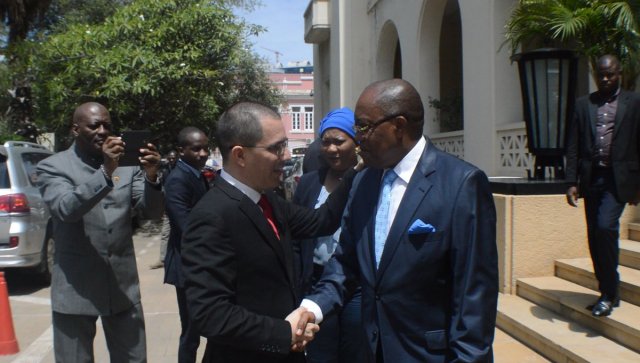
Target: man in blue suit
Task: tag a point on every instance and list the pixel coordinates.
(183, 189)
(419, 236)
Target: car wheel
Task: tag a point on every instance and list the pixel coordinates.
(46, 261)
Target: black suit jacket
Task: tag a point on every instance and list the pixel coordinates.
(434, 296)
(183, 189)
(240, 283)
(625, 145)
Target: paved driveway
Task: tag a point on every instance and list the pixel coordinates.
(31, 310)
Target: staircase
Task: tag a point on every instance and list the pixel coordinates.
(549, 315)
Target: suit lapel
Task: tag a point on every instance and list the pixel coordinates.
(254, 214)
(593, 115)
(284, 243)
(417, 189)
(371, 188)
(620, 110)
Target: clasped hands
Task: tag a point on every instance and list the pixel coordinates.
(303, 328)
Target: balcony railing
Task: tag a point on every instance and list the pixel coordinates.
(451, 142)
(513, 157)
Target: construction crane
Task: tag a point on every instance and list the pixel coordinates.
(278, 54)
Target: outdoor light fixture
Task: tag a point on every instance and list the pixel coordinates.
(548, 83)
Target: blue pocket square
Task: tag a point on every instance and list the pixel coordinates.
(419, 226)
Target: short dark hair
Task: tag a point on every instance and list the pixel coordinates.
(240, 125)
(183, 135)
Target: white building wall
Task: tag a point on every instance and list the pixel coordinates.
(361, 47)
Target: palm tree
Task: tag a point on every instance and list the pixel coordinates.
(591, 27)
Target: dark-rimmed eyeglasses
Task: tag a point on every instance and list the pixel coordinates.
(277, 149)
(368, 128)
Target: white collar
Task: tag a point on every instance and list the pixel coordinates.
(408, 164)
(245, 189)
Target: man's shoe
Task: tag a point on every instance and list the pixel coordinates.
(604, 307)
(616, 302)
(157, 265)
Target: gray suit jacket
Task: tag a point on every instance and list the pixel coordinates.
(94, 270)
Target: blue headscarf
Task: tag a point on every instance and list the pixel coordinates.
(340, 118)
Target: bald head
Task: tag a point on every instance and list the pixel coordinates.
(398, 97)
(91, 127)
(608, 74)
(84, 111)
(609, 61)
(389, 118)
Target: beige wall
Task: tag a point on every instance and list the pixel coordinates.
(535, 230)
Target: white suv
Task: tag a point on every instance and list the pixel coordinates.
(25, 225)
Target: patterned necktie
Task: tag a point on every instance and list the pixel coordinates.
(382, 216)
(267, 210)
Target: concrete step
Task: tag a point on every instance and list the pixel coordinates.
(507, 349)
(630, 253)
(570, 300)
(634, 231)
(556, 337)
(580, 271)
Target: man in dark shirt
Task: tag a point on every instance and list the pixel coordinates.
(603, 166)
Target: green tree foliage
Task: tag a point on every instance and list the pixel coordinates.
(156, 64)
(62, 13)
(591, 27)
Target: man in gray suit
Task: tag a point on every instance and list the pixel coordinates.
(94, 275)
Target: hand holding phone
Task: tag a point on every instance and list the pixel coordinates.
(134, 141)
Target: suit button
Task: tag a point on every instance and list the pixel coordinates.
(375, 333)
(109, 231)
(377, 297)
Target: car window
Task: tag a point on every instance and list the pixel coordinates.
(30, 161)
(4, 173)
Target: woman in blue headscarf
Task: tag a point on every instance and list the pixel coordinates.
(340, 338)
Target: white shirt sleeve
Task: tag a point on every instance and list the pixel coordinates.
(314, 308)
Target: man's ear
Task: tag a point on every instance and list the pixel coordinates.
(74, 130)
(401, 124)
(238, 156)
(180, 151)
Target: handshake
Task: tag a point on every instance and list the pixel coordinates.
(303, 328)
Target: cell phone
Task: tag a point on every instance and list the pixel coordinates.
(134, 140)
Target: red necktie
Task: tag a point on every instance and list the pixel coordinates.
(268, 213)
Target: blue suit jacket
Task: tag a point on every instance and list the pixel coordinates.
(434, 296)
(183, 189)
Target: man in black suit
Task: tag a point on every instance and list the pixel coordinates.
(183, 189)
(603, 166)
(237, 253)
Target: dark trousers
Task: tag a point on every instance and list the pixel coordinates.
(73, 336)
(341, 336)
(603, 212)
(189, 337)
